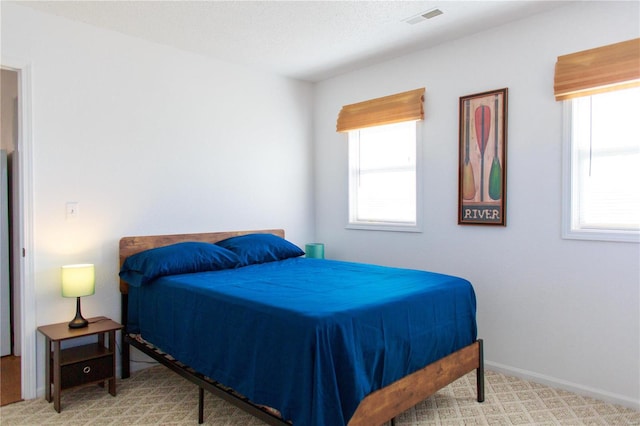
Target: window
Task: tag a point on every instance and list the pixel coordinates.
(600, 88)
(602, 167)
(384, 172)
(383, 177)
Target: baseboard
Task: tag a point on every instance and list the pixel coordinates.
(141, 365)
(563, 384)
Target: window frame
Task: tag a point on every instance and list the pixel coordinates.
(386, 225)
(570, 229)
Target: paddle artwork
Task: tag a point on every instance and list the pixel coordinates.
(482, 159)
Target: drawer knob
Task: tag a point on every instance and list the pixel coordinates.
(86, 370)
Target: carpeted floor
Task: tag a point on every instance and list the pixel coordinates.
(157, 396)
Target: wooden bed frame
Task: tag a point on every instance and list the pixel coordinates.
(377, 408)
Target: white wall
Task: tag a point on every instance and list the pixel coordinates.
(560, 311)
(150, 140)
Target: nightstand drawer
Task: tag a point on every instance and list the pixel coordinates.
(87, 371)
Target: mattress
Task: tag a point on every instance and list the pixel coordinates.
(309, 337)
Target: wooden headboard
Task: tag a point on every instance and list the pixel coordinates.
(132, 245)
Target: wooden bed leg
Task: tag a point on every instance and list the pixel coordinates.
(480, 372)
(125, 359)
(200, 405)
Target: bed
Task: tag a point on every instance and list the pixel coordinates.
(294, 340)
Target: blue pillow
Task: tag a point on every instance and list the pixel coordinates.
(260, 248)
(180, 258)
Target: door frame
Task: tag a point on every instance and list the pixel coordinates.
(24, 204)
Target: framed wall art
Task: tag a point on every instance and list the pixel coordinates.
(483, 159)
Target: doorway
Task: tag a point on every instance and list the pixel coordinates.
(10, 346)
(15, 138)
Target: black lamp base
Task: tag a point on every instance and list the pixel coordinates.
(78, 321)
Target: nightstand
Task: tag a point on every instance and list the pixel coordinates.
(79, 365)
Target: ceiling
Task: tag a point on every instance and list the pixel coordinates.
(306, 40)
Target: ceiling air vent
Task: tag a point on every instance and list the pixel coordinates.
(423, 16)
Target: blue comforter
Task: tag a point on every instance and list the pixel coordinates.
(308, 337)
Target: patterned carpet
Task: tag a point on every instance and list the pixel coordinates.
(157, 396)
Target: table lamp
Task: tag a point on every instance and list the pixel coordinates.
(77, 281)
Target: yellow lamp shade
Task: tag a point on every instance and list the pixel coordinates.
(78, 280)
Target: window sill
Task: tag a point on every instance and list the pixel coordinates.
(384, 227)
(600, 235)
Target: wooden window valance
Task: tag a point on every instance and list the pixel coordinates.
(612, 67)
(396, 108)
